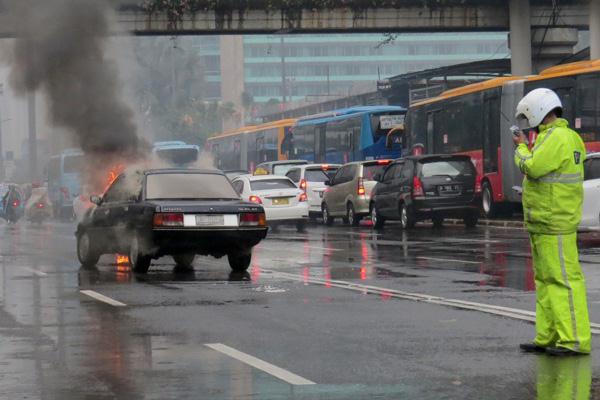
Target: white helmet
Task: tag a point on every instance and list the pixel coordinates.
(533, 108)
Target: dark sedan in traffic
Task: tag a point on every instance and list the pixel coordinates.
(179, 212)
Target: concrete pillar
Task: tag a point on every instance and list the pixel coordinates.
(232, 76)
(520, 37)
(594, 29)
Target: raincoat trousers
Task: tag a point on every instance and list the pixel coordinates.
(552, 202)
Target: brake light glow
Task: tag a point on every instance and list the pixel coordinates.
(253, 219)
(478, 180)
(168, 219)
(361, 187)
(383, 162)
(303, 184)
(255, 199)
(303, 197)
(65, 191)
(15, 203)
(324, 167)
(40, 205)
(417, 187)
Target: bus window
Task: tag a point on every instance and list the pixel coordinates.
(491, 134)
(587, 115)
(338, 142)
(304, 143)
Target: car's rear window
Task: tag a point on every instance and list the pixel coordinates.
(447, 167)
(319, 175)
(369, 171)
(282, 169)
(268, 184)
(189, 186)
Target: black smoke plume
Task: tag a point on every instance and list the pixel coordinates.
(60, 49)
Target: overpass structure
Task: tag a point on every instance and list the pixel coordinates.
(544, 30)
(540, 30)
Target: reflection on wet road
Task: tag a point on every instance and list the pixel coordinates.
(336, 306)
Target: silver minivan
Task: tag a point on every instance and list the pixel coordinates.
(349, 192)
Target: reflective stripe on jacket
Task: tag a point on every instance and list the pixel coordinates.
(553, 184)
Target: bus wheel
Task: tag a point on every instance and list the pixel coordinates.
(490, 207)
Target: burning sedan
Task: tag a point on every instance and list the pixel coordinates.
(179, 212)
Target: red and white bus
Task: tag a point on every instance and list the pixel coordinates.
(475, 120)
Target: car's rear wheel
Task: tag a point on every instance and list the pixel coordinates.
(407, 218)
(377, 220)
(437, 220)
(471, 219)
(184, 261)
(353, 219)
(239, 262)
(327, 219)
(491, 208)
(87, 254)
(139, 261)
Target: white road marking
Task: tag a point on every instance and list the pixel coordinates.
(449, 259)
(257, 363)
(514, 313)
(35, 272)
(102, 298)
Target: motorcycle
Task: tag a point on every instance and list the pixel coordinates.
(37, 209)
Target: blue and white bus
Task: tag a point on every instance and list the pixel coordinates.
(176, 152)
(349, 134)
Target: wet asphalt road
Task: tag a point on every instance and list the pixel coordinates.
(333, 313)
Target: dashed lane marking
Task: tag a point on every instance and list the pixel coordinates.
(257, 363)
(514, 313)
(449, 260)
(100, 297)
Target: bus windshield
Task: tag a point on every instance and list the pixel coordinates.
(381, 124)
(177, 154)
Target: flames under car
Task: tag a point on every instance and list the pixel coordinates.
(179, 212)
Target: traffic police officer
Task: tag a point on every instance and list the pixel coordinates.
(552, 201)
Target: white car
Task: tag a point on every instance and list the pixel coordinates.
(311, 178)
(282, 200)
(590, 218)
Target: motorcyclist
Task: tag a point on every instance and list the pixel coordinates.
(552, 202)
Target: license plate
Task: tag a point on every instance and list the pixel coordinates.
(281, 201)
(210, 220)
(449, 188)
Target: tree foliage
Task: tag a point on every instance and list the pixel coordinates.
(171, 91)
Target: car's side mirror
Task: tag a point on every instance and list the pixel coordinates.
(378, 177)
(97, 200)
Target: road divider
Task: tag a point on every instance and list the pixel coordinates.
(513, 313)
(257, 363)
(36, 272)
(104, 299)
(449, 260)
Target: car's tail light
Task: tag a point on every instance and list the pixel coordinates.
(383, 162)
(253, 219)
(255, 199)
(478, 180)
(417, 187)
(65, 191)
(168, 219)
(303, 197)
(324, 167)
(40, 205)
(303, 184)
(16, 203)
(360, 190)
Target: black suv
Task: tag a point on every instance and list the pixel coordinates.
(427, 187)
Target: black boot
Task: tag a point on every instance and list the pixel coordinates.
(563, 352)
(531, 348)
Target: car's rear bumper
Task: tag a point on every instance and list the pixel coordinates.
(297, 212)
(425, 208)
(217, 242)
